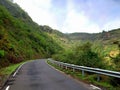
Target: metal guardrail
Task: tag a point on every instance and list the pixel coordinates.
(88, 69)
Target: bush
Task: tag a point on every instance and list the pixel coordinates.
(86, 57)
(81, 55)
(2, 53)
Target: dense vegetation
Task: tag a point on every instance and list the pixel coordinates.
(97, 54)
(100, 50)
(91, 55)
(20, 37)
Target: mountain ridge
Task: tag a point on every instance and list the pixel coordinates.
(104, 35)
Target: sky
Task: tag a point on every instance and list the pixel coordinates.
(70, 16)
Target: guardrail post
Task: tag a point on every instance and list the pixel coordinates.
(61, 66)
(98, 77)
(65, 67)
(84, 69)
(73, 69)
(83, 73)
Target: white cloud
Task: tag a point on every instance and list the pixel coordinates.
(78, 22)
(112, 25)
(39, 10)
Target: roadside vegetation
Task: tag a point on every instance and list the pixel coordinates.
(22, 39)
(96, 55)
(105, 83)
(92, 54)
(10, 69)
(7, 71)
(102, 52)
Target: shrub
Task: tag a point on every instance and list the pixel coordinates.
(86, 57)
(2, 53)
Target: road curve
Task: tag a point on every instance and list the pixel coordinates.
(38, 75)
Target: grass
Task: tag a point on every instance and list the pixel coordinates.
(10, 69)
(7, 71)
(88, 78)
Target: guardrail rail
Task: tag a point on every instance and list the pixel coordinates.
(87, 69)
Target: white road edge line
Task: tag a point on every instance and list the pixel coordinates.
(7, 88)
(91, 86)
(14, 74)
(17, 70)
(95, 87)
(66, 74)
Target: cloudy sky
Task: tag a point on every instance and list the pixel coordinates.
(74, 15)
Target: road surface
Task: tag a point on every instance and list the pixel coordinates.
(38, 75)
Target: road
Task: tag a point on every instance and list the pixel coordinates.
(38, 75)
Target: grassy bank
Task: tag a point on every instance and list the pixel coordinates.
(104, 83)
(7, 71)
(10, 69)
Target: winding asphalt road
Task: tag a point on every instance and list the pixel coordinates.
(38, 75)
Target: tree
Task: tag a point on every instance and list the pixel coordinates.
(116, 59)
(4, 44)
(2, 53)
(86, 57)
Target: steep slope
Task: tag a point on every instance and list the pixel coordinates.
(15, 10)
(20, 37)
(60, 38)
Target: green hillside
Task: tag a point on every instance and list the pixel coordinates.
(100, 50)
(105, 35)
(60, 38)
(20, 37)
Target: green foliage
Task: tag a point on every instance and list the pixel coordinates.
(2, 53)
(65, 56)
(87, 57)
(81, 55)
(116, 59)
(9, 70)
(20, 37)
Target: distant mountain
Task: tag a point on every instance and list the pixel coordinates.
(20, 37)
(110, 35)
(104, 35)
(66, 39)
(82, 36)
